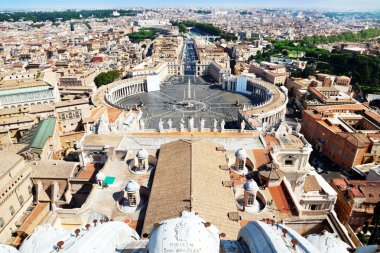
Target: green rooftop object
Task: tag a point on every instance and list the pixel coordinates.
(24, 90)
(44, 130)
(108, 181)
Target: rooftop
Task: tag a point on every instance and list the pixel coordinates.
(44, 131)
(8, 160)
(53, 169)
(184, 170)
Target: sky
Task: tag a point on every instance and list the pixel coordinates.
(359, 5)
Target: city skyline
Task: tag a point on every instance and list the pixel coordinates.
(365, 5)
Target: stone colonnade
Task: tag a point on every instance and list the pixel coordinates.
(125, 88)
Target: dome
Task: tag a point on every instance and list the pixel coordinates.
(100, 176)
(105, 237)
(328, 243)
(42, 238)
(132, 186)
(241, 153)
(263, 237)
(251, 186)
(190, 230)
(142, 153)
(8, 249)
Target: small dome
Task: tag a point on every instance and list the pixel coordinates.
(142, 153)
(100, 176)
(241, 153)
(251, 186)
(132, 186)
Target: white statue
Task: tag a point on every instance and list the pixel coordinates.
(202, 123)
(222, 123)
(242, 125)
(142, 125)
(191, 123)
(298, 128)
(182, 124)
(170, 123)
(161, 125)
(215, 125)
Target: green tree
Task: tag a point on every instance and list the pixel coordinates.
(182, 28)
(105, 78)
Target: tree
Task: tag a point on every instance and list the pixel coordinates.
(251, 57)
(105, 78)
(285, 52)
(182, 28)
(308, 71)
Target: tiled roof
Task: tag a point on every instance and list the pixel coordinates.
(188, 177)
(311, 184)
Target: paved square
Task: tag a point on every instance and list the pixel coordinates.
(207, 101)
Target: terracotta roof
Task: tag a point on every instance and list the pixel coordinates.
(113, 114)
(261, 157)
(374, 116)
(359, 140)
(311, 184)
(370, 190)
(53, 169)
(188, 177)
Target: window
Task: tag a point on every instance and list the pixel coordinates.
(132, 199)
(288, 162)
(241, 165)
(30, 189)
(21, 200)
(250, 200)
(2, 223)
(12, 210)
(142, 164)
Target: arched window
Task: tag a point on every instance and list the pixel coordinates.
(142, 164)
(241, 164)
(250, 200)
(21, 200)
(2, 223)
(12, 210)
(132, 199)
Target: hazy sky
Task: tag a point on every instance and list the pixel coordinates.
(318, 4)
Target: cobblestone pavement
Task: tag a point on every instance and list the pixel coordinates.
(208, 102)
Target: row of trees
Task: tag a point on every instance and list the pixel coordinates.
(143, 34)
(343, 37)
(205, 28)
(105, 78)
(41, 16)
(364, 69)
(202, 12)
